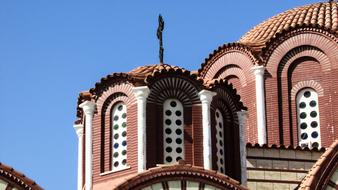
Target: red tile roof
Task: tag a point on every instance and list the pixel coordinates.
(183, 171)
(290, 147)
(319, 15)
(19, 179)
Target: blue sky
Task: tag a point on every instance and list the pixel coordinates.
(52, 50)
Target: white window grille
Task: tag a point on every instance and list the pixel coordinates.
(173, 132)
(119, 136)
(219, 141)
(308, 118)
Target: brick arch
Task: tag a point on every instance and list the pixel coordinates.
(242, 60)
(304, 84)
(229, 77)
(174, 87)
(230, 135)
(125, 88)
(285, 43)
(106, 130)
(232, 70)
(184, 89)
(112, 100)
(290, 51)
(182, 172)
(323, 109)
(230, 97)
(299, 52)
(118, 92)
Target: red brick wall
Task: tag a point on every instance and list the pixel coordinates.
(300, 59)
(102, 155)
(197, 133)
(248, 97)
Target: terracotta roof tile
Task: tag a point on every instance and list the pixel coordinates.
(144, 71)
(18, 178)
(275, 146)
(180, 169)
(323, 15)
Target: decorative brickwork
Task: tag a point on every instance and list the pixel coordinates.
(306, 84)
(298, 52)
(185, 173)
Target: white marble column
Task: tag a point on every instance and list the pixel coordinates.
(88, 109)
(79, 131)
(141, 93)
(206, 98)
(242, 115)
(260, 103)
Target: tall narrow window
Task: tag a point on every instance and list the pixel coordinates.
(308, 118)
(173, 134)
(119, 136)
(219, 141)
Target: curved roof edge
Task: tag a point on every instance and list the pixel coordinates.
(319, 174)
(275, 146)
(222, 50)
(19, 179)
(183, 171)
(214, 83)
(280, 37)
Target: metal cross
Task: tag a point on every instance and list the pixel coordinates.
(159, 36)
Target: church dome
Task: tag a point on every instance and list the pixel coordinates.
(146, 70)
(323, 15)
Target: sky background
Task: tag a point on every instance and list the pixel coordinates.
(52, 50)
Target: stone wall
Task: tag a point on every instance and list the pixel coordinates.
(278, 168)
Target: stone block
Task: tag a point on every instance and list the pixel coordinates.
(251, 185)
(255, 152)
(264, 164)
(316, 155)
(254, 174)
(287, 154)
(274, 153)
(272, 175)
(280, 164)
(281, 186)
(251, 163)
(303, 154)
(288, 176)
(264, 186)
(296, 165)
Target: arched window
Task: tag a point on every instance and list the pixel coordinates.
(119, 136)
(173, 134)
(219, 141)
(308, 118)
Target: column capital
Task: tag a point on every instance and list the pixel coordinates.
(78, 129)
(88, 107)
(258, 69)
(206, 96)
(141, 92)
(242, 113)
